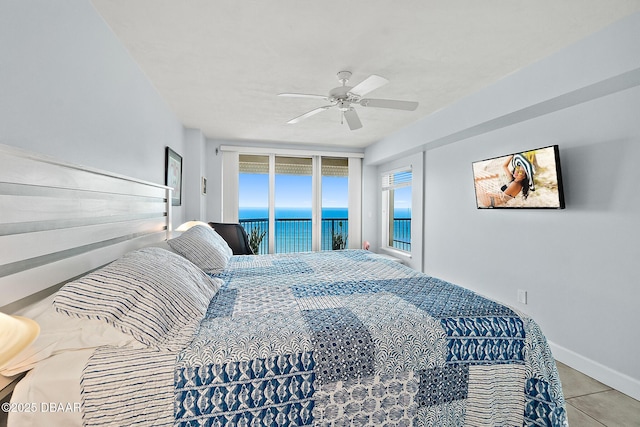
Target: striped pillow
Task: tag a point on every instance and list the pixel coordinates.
(204, 247)
(154, 295)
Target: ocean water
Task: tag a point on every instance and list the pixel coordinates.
(305, 213)
(293, 227)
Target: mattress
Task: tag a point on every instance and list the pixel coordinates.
(334, 338)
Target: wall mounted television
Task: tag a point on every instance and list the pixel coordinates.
(528, 179)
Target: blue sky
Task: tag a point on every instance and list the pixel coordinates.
(402, 198)
(292, 191)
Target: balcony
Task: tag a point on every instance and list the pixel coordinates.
(294, 234)
(402, 234)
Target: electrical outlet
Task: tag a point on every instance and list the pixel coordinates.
(522, 296)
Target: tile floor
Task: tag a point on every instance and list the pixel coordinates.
(593, 404)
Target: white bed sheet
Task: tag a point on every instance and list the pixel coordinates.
(49, 395)
(60, 333)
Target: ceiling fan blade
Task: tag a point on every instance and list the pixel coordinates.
(389, 103)
(303, 95)
(309, 114)
(369, 84)
(352, 119)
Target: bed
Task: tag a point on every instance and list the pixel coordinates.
(181, 332)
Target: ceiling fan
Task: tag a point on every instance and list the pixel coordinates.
(344, 96)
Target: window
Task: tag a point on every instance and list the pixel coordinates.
(335, 203)
(397, 203)
(253, 200)
(295, 203)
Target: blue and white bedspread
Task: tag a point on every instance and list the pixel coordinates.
(343, 338)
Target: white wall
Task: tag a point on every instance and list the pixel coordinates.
(69, 89)
(193, 170)
(214, 176)
(578, 264)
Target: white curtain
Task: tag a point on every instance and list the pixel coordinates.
(230, 172)
(355, 202)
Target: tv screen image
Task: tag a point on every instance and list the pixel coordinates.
(528, 179)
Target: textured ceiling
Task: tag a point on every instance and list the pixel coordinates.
(219, 64)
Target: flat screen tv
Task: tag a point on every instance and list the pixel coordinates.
(528, 179)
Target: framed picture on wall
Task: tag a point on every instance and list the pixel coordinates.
(173, 177)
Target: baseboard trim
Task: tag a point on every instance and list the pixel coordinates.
(617, 380)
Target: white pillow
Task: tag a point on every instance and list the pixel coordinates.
(157, 297)
(60, 333)
(204, 247)
(162, 245)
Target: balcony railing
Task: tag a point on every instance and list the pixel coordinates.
(402, 234)
(294, 234)
(260, 225)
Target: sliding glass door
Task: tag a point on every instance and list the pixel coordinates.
(291, 203)
(253, 200)
(335, 203)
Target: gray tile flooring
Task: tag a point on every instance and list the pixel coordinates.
(593, 404)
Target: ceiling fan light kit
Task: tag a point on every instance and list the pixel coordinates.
(344, 96)
(344, 76)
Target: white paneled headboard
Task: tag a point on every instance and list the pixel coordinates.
(58, 221)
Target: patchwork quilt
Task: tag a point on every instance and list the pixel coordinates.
(337, 338)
